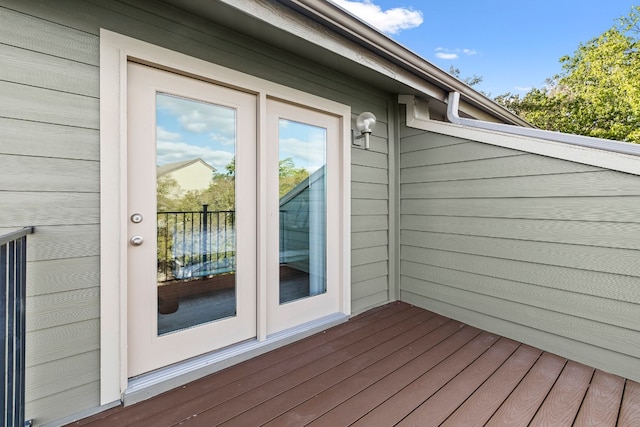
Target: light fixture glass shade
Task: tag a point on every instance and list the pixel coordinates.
(366, 122)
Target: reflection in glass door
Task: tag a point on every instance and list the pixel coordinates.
(191, 251)
(195, 212)
(302, 192)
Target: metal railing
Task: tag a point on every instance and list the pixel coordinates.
(13, 267)
(195, 243)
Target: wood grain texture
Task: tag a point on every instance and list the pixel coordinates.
(340, 392)
(31, 68)
(28, 138)
(602, 402)
(427, 365)
(368, 239)
(368, 271)
(602, 358)
(523, 403)
(58, 376)
(369, 287)
(40, 35)
(373, 175)
(419, 140)
(630, 408)
(62, 342)
(418, 391)
(617, 261)
(616, 313)
(34, 208)
(502, 167)
(598, 234)
(60, 275)
(369, 207)
(48, 106)
(283, 403)
(585, 184)
(442, 404)
(51, 310)
(482, 404)
(605, 285)
(594, 209)
(453, 154)
(598, 334)
(369, 223)
(564, 400)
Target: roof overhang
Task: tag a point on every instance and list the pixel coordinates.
(322, 32)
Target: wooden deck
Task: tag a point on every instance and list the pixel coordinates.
(394, 365)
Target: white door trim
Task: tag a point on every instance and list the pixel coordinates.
(115, 51)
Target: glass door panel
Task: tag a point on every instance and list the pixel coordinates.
(191, 251)
(302, 162)
(302, 193)
(195, 158)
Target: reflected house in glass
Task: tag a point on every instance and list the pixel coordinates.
(190, 175)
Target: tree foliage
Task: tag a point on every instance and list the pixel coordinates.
(597, 92)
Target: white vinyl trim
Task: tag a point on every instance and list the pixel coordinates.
(507, 136)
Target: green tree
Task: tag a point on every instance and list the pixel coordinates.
(470, 81)
(597, 92)
(290, 175)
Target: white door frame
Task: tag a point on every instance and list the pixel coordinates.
(115, 51)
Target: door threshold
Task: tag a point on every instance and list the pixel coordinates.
(153, 383)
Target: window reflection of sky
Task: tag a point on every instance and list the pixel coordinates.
(304, 143)
(188, 129)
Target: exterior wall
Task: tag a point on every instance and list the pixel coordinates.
(538, 249)
(49, 145)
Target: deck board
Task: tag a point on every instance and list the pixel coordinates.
(630, 408)
(394, 365)
(602, 403)
(483, 403)
(563, 402)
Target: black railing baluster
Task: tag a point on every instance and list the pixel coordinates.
(13, 271)
(192, 243)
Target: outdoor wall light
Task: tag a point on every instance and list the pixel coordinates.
(365, 124)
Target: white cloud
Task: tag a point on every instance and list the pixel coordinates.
(306, 155)
(523, 88)
(200, 117)
(445, 55)
(166, 135)
(390, 21)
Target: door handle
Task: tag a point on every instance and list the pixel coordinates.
(136, 240)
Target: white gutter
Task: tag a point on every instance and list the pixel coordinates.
(566, 138)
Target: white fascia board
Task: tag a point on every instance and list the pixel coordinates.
(611, 160)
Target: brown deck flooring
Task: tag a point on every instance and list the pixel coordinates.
(394, 365)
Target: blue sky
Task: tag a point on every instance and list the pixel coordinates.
(513, 44)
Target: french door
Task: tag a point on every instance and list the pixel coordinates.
(194, 168)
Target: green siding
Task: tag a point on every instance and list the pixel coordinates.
(538, 249)
(49, 149)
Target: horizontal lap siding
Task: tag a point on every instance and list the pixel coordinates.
(539, 249)
(370, 223)
(49, 151)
